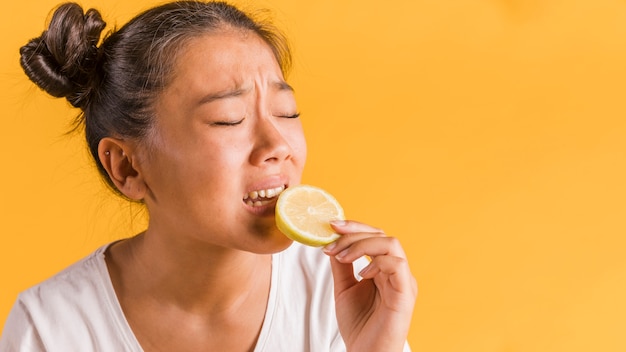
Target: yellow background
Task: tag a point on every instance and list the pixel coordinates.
(489, 135)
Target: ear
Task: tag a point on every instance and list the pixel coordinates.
(116, 155)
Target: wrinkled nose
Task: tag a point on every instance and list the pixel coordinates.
(270, 145)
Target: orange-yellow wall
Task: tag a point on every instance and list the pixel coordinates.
(489, 135)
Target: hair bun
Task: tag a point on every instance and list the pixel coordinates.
(64, 59)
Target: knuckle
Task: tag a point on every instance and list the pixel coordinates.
(394, 242)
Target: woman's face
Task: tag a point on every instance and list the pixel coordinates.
(226, 129)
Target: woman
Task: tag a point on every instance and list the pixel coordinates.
(186, 109)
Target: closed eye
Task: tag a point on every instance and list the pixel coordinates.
(294, 116)
(227, 123)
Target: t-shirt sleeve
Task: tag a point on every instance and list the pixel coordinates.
(20, 333)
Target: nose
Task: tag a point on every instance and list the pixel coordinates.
(270, 144)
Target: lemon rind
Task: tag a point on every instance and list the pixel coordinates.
(307, 238)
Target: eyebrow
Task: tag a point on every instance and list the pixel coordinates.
(230, 93)
(282, 85)
(224, 94)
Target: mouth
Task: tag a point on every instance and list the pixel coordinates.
(262, 197)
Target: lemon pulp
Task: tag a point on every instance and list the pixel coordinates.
(304, 212)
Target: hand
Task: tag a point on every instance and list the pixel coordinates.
(374, 314)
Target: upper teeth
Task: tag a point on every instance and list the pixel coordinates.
(264, 193)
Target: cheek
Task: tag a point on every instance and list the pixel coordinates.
(301, 151)
(297, 142)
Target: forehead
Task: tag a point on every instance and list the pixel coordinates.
(225, 52)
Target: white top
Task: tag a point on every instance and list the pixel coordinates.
(77, 309)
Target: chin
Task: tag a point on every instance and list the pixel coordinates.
(262, 236)
(271, 242)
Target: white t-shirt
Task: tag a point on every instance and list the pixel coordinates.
(77, 309)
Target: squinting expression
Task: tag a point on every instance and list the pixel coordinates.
(226, 140)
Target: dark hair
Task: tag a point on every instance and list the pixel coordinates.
(116, 84)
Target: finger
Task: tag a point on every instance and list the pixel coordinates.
(344, 227)
(369, 246)
(343, 275)
(347, 240)
(395, 269)
(350, 231)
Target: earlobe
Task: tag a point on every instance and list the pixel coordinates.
(116, 156)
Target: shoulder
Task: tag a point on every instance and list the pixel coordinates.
(74, 284)
(81, 296)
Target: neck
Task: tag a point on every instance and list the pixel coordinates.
(194, 277)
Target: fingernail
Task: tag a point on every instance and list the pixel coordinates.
(338, 222)
(364, 270)
(342, 254)
(329, 247)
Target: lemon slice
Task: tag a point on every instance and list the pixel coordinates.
(303, 214)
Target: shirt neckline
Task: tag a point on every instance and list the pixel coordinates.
(115, 308)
